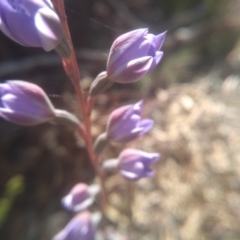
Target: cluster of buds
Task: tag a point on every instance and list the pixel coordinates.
(132, 56)
(124, 125)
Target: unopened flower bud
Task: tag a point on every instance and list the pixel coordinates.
(24, 103)
(81, 227)
(31, 23)
(80, 197)
(27, 104)
(135, 164)
(125, 123)
(133, 55)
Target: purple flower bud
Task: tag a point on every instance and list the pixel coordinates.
(125, 123)
(31, 23)
(80, 197)
(133, 55)
(135, 164)
(24, 103)
(81, 227)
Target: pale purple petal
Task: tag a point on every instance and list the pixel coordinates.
(132, 171)
(150, 157)
(137, 107)
(25, 103)
(154, 43)
(146, 125)
(79, 198)
(21, 118)
(31, 23)
(125, 123)
(122, 44)
(120, 118)
(15, 15)
(137, 50)
(148, 173)
(135, 164)
(133, 70)
(127, 136)
(129, 165)
(81, 227)
(156, 60)
(159, 40)
(48, 28)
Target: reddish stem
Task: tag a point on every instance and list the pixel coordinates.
(71, 68)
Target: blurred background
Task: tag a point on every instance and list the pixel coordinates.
(193, 96)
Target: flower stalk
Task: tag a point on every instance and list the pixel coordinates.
(72, 70)
(131, 57)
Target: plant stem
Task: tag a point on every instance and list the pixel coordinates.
(71, 67)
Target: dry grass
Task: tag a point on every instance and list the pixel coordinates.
(195, 194)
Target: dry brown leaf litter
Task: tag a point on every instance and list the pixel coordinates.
(195, 193)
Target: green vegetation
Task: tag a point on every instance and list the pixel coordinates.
(14, 187)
